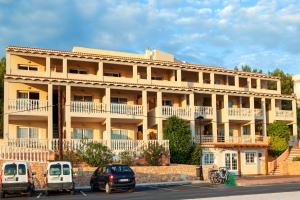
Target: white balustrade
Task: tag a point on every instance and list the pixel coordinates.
(32, 143)
(205, 111)
(126, 109)
(284, 113)
(239, 112)
(182, 112)
(87, 107)
(258, 113)
(28, 105)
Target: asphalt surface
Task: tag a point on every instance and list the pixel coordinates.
(172, 193)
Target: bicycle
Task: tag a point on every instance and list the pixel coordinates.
(218, 176)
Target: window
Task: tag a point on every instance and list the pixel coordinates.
(83, 133)
(113, 74)
(118, 100)
(55, 170)
(27, 67)
(119, 134)
(77, 71)
(246, 130)
(22, 169)
(120, 169)
(250, 157)
(159, 78)
(27, 132)
(66, 169)
(208, 158)
(83, 98)
(28, 95)
(10, 170)
(167, 102)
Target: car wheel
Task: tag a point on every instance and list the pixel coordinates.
(107, 188)
(2, 195)
(72, 192)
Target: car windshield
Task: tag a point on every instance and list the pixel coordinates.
(120, 168)
(10, 169)
(55, 170)
(22, 169)
(66, 169)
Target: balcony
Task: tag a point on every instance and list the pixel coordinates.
(181, 112)
(259, 114)
(239, 113)
(245, 139)
(28, 106)
(284, 115)
(204, 111)
(126, 109)
(87, 107)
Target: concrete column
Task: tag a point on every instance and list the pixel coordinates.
(192, 108)
(263, 107)
(236, 81)
(145, 113)
(68, 113)
(178, 75)
(8, 67)
(200, 77)
(135, 73)
(252, 122)
(149, 74)
(294, 108)
(273, 111)
(107, 100)
(214, 118)
(258, 83)
(159, 116)
(212, 78)
(108, 131)
(100, 70)
(6, 111)
(249, 83)
(226, 119)
(50, 115)
(65, 67)
(278, 86)
(48, 67)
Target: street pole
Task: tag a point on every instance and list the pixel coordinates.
(60, 140)
(199, 118)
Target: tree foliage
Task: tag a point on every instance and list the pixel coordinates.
(286, 81)
(177, 131)
(195, 155)
(247, 68)
(2, 72)
(279, 133)
(95, 154)
(153, 154)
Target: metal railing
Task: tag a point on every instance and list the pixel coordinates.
(28, 105)
(87, 107)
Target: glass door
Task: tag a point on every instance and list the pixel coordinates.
(231, 161)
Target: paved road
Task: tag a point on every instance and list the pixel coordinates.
(177, 192)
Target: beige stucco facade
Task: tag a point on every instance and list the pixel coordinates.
(122, 96)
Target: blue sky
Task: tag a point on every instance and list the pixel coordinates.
(263, 34)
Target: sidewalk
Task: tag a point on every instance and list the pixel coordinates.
(266, 180)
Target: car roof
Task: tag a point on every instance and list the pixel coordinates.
(110, 165)
(15, 162)
(59, 162)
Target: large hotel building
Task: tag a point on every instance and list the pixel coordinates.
(124, 99)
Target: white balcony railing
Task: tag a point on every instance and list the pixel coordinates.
(239, 112)
(87, 107)
(29, 105)
(126, 109)
(32, 143)
(182, 112)
(284, 113)
(205, 111)
(258, 113)
(244, 139)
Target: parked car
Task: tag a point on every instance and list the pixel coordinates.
(113, 177)
(59, 177)
(16, 177)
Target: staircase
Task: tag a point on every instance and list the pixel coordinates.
(295, 152)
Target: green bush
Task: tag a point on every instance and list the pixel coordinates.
(153, 154)
(71, 156)
(127, 157)
(279, 133)
(177, 131)
(195, 154)
(96, 154)
(297, 158)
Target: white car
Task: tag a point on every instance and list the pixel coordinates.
(16, 177)
(60, 176)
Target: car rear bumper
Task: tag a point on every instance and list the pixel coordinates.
(60, 186)
(15, 187)
(123, 185)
